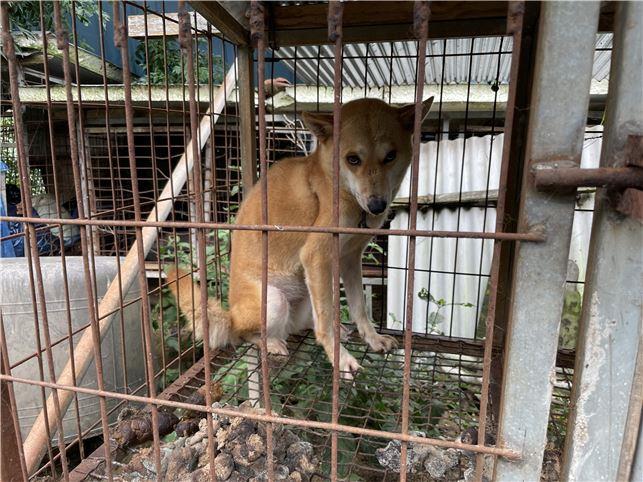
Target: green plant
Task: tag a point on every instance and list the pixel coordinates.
(369, 255)
(435, 318)
(300, 389)
(166, 63)
(24, 16)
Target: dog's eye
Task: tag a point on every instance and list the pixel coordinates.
(390, 157)
(353, 160)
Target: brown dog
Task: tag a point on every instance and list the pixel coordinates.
(375, 153)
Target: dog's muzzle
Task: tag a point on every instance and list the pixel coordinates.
(376, 205)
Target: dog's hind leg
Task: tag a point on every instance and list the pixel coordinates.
(351, 271)
(248, 313)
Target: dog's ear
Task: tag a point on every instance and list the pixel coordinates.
(321, 125)
(407, 113)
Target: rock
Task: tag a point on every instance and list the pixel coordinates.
(203, 423)
(240, 454)
(281, 472)
(439, 461)
(149, 464)
(237, 477)
(200, 475)
(241, 457)
(196, 438)
(389, 456)
(300, 455)
(295, 477)
(181, 462)
(256, 447)
(223, 466)
(222, 437)
(283, 440)
(187, 427)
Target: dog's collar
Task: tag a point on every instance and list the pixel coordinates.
(362, 220)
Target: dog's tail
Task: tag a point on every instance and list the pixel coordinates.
(181, 285)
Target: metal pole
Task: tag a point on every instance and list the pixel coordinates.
(558, 114)
(610, 327)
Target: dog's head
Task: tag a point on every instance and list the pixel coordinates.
(374, 150)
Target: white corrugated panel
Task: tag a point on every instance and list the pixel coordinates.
(453, 166)
(582, 227)
(462, 166)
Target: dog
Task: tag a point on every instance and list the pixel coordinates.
(375, 153)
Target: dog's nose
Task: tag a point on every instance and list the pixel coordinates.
(376, 205)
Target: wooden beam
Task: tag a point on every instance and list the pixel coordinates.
(472, 198)
(247, 126)
(371, 21)
(136, 25)
(231, 22)
(141, 94)
(386, 21)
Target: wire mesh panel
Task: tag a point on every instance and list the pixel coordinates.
(177, 320)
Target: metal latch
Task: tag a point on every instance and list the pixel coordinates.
(624, 183)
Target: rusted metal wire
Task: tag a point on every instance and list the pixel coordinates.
(204, 216)
(508, 454)
(535, 235)
(30, 234)
(335, 16)
(60, 232)
(121, 41)
(63, 45)
(257, 23)
(185, 39)
(514, 20)
(421, 14)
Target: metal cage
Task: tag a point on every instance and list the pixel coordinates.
(132, 155)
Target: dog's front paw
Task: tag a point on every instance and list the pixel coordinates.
(348, 365)
(381, 343)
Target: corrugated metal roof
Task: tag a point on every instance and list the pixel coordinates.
(484, 60)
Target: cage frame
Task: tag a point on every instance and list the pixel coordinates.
(521, 20)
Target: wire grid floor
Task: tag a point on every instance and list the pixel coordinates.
(445, 390)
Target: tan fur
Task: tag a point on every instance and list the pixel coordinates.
(300, 264)
(188, 295)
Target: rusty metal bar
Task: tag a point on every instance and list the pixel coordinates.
(501, 452)
(515, 19)
(421, 14)
(558, 113)
(32, 254)
(257, 29)
(60, 233)
(335, 18)
(548, 178)
(610, 336)
(121, 42)
(185, 39)
(534, 234)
